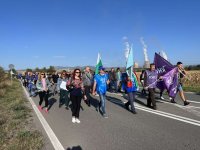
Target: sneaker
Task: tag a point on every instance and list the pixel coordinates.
(172, 101)
(77, 120)
(40, 108)
(170, 98)
(73, 119)
(186, 103)
(126, 106)
(162, 98)
(154, 107)
(46, 110)
(105, 116)
(134, 112)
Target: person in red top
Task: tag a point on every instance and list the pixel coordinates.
(77, 89)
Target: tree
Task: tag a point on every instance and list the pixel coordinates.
(29, 70)
(37, 69)
(51, 69)
(44, 69)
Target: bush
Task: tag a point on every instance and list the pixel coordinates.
(2, 74)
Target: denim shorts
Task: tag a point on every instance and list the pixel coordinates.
(180, 87)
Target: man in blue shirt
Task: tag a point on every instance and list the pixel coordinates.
(100, 85)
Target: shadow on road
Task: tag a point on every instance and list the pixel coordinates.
(51, 102)
(75, 148)
(94, 102)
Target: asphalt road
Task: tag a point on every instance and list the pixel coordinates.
(171, 127)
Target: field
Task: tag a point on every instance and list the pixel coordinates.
(192, 83)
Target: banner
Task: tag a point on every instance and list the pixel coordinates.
(162, 66)
(171, 82)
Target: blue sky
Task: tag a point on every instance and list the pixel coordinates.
(38, 33)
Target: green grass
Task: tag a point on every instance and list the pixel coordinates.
(192, 89)
(15, 129)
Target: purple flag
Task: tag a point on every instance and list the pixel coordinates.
(162, 67)
(171, 82)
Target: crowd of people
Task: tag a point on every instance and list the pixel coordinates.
(73, 87)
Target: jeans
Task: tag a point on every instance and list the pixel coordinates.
(131, 100)
(64, 97)
(103, 102)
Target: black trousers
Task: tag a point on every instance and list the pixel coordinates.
(87, 93)
(151, 97)
(76, 105)
(44, 97)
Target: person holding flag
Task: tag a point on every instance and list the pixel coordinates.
(150, 81)
(173, 82)
(131, 83)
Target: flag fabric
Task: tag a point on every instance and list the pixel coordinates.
(162, 66)
(99, 63)
(11, 72)
(171, 82)
(129, 68)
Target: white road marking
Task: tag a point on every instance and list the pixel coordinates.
(193, 101)
(172, 116)
(165, 114)
(54, 140)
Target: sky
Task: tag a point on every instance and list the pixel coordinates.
(40, 33)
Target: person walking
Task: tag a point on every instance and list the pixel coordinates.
(43, 85)
(77, 90)
(142, 82)
(150, 81)
(113, 80)
(181, 75)
(131, 88)
(119, 79)
(87, 83)
(100, 85)
(64, 93)
(55, 77)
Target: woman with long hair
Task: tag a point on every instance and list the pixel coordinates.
(76, 86)
(64, 93)
(43, 85)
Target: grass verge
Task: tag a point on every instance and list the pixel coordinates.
(192, 89)
(16, 132)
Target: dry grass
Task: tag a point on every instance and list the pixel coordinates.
(15, 129)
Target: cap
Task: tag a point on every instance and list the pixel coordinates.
(179, 63)
(101, 68)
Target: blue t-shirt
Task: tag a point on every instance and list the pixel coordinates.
(101, 81)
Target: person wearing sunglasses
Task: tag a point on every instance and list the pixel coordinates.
(43, 85)
(76, 94)
(64, 93)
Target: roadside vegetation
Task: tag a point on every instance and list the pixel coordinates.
(16, 132)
